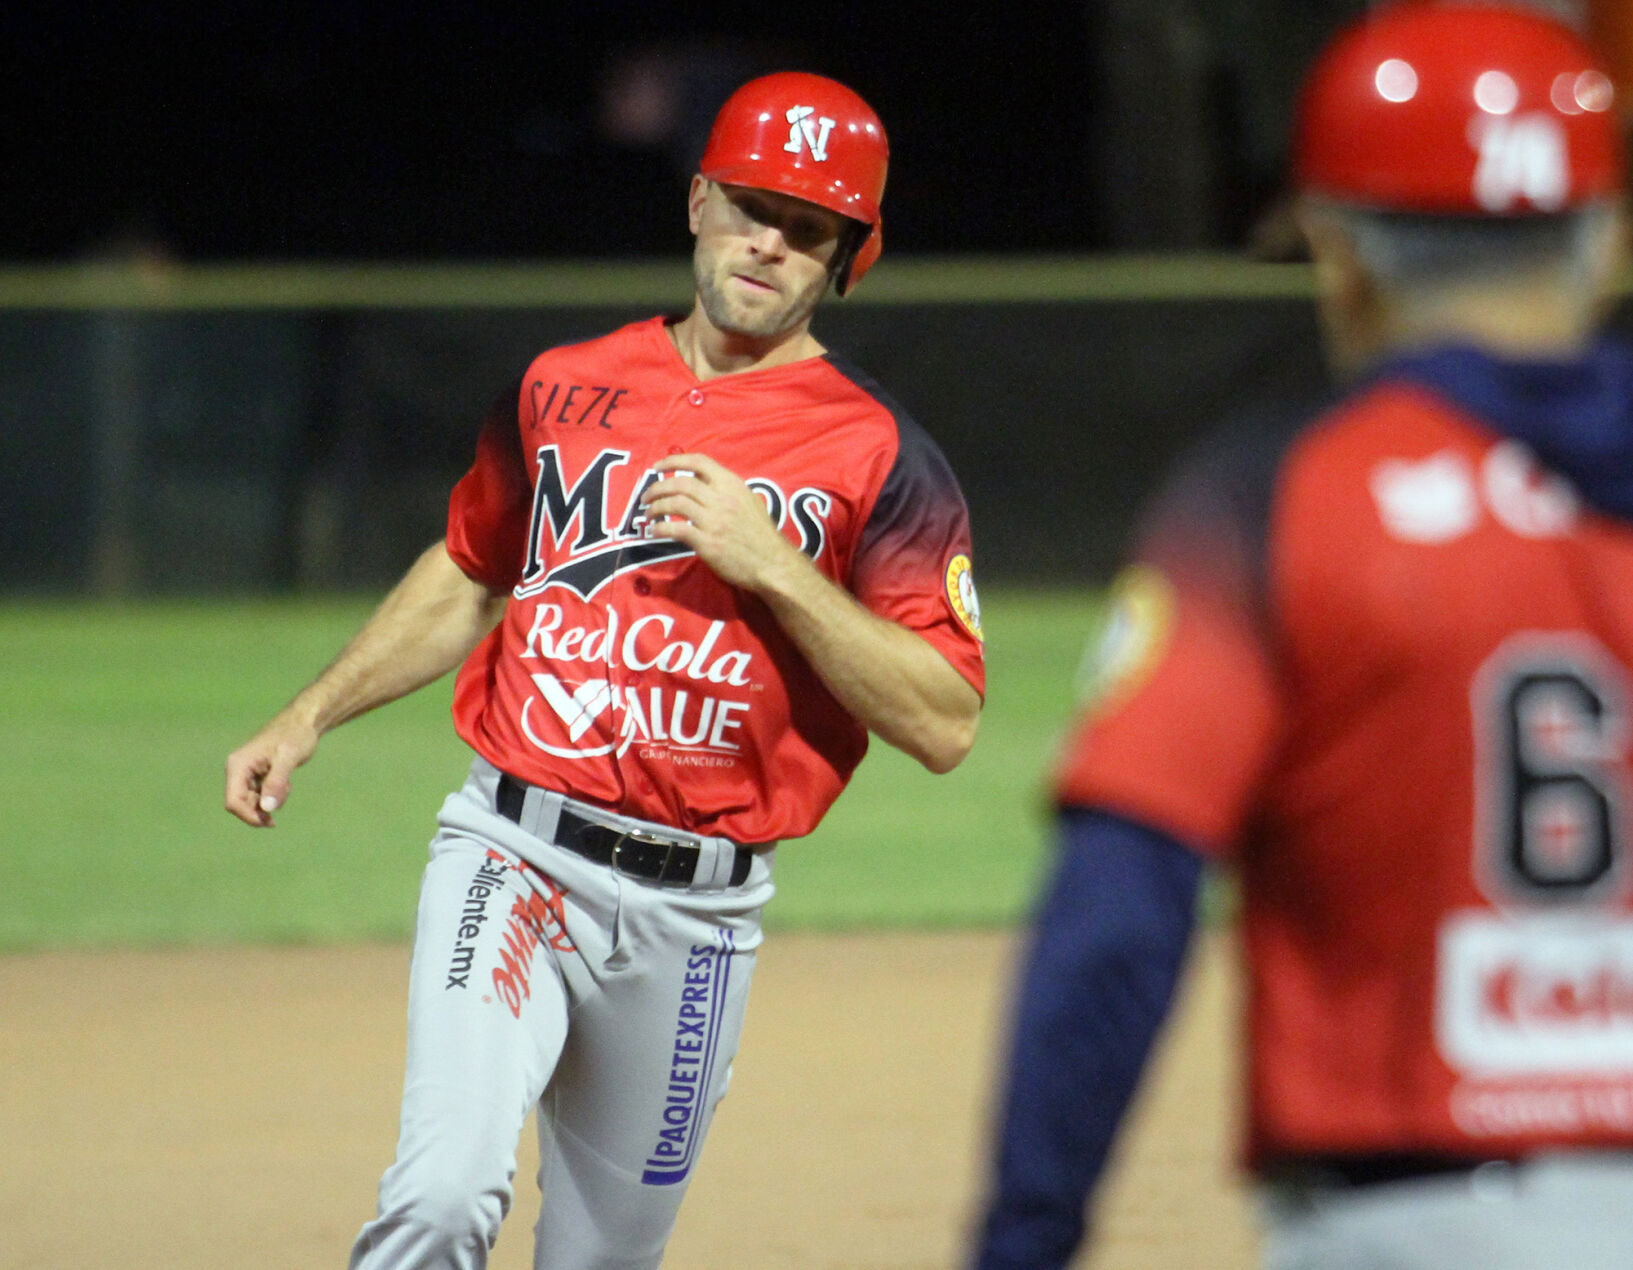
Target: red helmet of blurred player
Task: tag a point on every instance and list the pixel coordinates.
(1458, 109)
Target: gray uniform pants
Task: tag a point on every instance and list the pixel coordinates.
(1554, 1212)
(540, 978)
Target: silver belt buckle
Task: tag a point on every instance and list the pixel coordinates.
(648, 840)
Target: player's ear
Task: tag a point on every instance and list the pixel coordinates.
(1328, 240)
(1610, 248)
(1348, 301)
(694, 203)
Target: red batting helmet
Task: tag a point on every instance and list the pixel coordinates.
(814, 139)
(1467, 109)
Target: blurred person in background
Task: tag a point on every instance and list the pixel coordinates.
(695, 563)
(1377, 656)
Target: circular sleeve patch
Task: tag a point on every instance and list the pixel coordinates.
(961, 595)
(1134, 633)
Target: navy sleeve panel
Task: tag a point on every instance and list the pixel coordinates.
(1214, 512)
(919, 518)
(489, 509)
(1108, 945)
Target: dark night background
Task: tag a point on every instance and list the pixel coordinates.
(313, 445)
(349, 130)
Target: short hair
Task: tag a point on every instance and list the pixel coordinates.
(1409, 251)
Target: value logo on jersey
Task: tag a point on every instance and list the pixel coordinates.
(579, 707)
(592, 701)
(808, 132)
(578, 539)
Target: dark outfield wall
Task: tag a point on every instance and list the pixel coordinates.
(242, 450)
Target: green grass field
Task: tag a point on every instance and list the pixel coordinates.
(117, 720)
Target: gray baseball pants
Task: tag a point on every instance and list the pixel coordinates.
(542, 979)
(1565, 1211)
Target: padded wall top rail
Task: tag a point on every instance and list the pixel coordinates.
(968, 280)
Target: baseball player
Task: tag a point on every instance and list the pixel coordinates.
(1378, 656)
(693, 565)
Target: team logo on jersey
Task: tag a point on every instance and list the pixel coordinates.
(578, 540)
(961, 595)
(1528, 499)
(1138, 624)
(1439, 498)
(1431, 500)
(808, 132)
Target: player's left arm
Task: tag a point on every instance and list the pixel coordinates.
(1108, 944)
(889, 678)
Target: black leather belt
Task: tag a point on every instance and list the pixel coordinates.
(1349, 1171)
(650, 857)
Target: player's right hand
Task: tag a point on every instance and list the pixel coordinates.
(258, 771)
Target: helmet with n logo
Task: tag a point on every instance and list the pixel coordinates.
(1458, 109)
(812, 138)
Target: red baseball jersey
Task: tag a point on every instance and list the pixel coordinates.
(1382, 664)
(624, 672)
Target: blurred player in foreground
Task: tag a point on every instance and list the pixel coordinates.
(1378, 657)
(694, 564)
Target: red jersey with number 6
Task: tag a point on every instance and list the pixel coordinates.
(1383, 664)
(624, 672)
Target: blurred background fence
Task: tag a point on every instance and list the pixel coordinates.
(171, 429)
(168, 426)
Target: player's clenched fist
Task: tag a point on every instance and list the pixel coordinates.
(713, 511)
(258, 771)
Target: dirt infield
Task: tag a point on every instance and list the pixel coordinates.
(200, 1110)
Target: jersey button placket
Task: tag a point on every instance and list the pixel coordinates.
(618, 676)
(675, 417)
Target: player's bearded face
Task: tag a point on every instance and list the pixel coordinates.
(762, 259)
